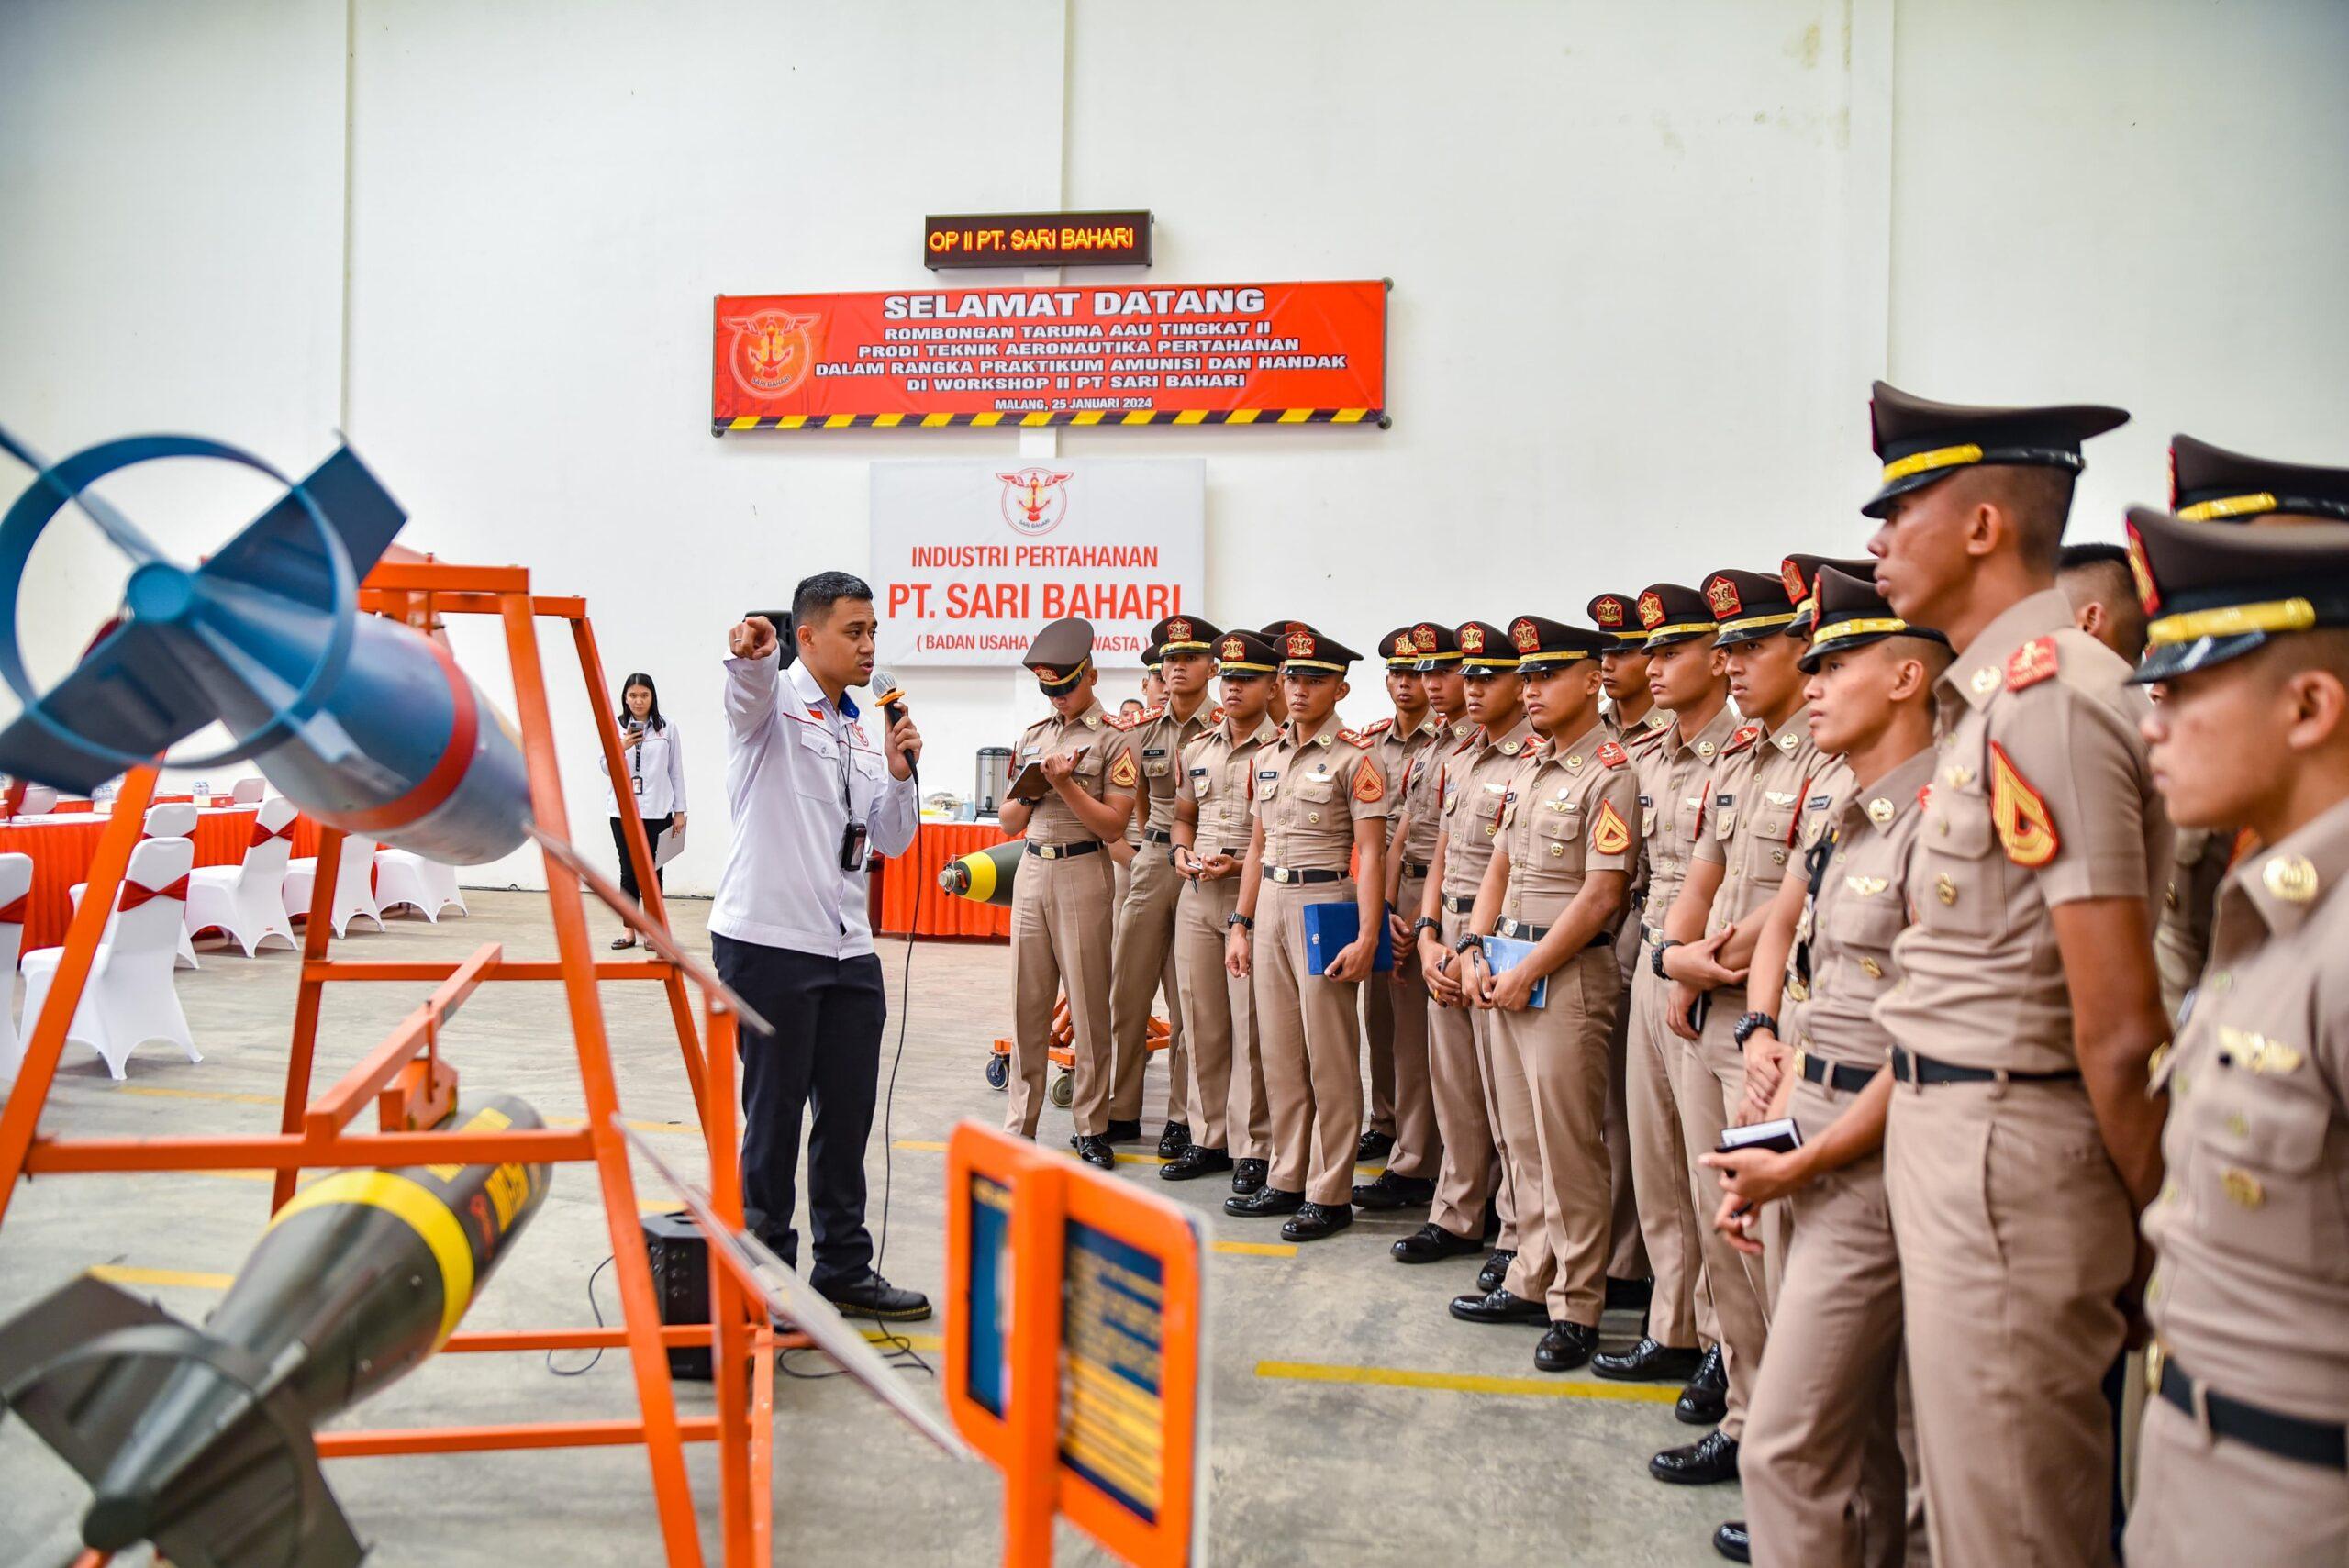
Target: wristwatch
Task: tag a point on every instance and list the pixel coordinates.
(1750, 1022)
(1425, 924)
(1245, 922)
(1655, 958)
(1471, 940)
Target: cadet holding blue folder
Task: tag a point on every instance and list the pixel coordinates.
(1557, 880)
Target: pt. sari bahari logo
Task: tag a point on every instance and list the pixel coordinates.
(772, 351)
(1035, 499)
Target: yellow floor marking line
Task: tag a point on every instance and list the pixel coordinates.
(1465, 1383)
(123, 1274)
(917, 1341)
(1254, 1248)
(159, 1092)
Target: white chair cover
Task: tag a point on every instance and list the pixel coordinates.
(248, 900)
(353, 891)
(403, 876)
(130, 999)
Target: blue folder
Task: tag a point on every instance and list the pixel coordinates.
(1330, 927)
(1505, 954)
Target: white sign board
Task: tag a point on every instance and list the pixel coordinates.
(972, 559)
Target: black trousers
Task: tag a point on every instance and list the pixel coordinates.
(825, 1053)
(653, 828)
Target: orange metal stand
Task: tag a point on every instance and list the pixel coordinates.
(312, 1131)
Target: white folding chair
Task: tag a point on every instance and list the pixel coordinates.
(248, 792)
(248, 899)
(39, 801)
(172, 820)
(403, 876)
(353, 892)
(129, 999)
(15, 894)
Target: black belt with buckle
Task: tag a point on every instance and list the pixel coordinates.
(1157, 836)
(1836, 1075)
(2321, 1443)
(1285, 874)
(1923, 1070)
(1061, 851)
(1527, 932)
(1415, 869)
(1459, 903)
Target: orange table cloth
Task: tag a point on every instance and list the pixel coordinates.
(62, 849)
(916, 872)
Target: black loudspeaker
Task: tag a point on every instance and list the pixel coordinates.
(680, 1260)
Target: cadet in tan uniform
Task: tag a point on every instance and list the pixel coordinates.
(1475, 1173)
(1689, 678)
(2022, 1140)
(1557, 880)
(2245, 1454)
(1635, 723)
(1320, 797)
(1826, 1482)
(1061, 905)
(1400, 1125)
(1769, 780)
(1141, 954)
(1214, 820)
(1409, 1179)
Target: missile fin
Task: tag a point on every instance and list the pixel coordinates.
(131, 691)
(54, 1400)
(280, 551)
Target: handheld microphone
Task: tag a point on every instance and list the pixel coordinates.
(890, 698)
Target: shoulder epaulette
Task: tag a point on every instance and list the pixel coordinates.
(1354, 737)
(1149, 713)
(1116, 722)
(1215, 714)
(1614, 756)
(1746, 735)
(1377, 726)
(2031, 663)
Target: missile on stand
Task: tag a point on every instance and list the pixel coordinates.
(199, 1439)
(985, 877)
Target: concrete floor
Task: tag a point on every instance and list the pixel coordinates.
(1525, 1470)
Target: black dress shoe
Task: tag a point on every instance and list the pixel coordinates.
(1710, 1459)
(1247, 1176)
(1373, 1145)
(874, 1296)
(1705, 1400)
(1195, 1159)
(1496, 1270)
(1315, 1220)
(1124, 1131)
(1648, 1362)
(1629, 1294)
(1175, 1139)
(1391, 1191)
(1732, 1541)
(1498, 1307)
(1264, 1203)
(1095, 1149)
(1432, 1242)
(1566, 1347)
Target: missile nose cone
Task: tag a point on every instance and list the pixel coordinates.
(159, 591)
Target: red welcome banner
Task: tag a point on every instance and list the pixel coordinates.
(1166, 354)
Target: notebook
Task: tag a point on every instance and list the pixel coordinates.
(1505, 954)
(1330, 927)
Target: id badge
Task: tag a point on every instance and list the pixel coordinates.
(852, 836)
(636, 786)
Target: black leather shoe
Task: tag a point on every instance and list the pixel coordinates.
(1498, 1307)
(1316, 1220)
(1705, 1400)
(1710, 1459)
(1496, 1270)
(1648, 1362)
(1391, 1191)
(1566, 1347)
(1629, 1294)
(1116, 1132)
(1432, 1242)
(1195, 1159)
(1175, 1139)
(874, 1296)
(1247, 1176)
(1095, 1149)
(1732, 1541)
(1373, 1145)
(1264, 1203)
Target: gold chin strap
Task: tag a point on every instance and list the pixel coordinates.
(1678, 628)
(2231, 621)
(1835, 631)
(1563, 657)
(2228, 506)
(1750, 622)
(1924, 463)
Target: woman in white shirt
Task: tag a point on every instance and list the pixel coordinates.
(656, 776)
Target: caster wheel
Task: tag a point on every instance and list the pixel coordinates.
(1063, 1089)
(999, 1072)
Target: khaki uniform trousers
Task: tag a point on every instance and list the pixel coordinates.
(2203, 1501)
(1419, 1146)
(1142, 960)
(1470, 1175)
(1060, 939)
(1550, 1082)
(1680, 1312)
(2015, 1240)
(1226, 1092)
(1379, 1050)
(1627, 1256)
(1312, 1065)
(1829, 1450)
(1709, 1085)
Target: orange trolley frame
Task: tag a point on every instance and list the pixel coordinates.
(313, 1131)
